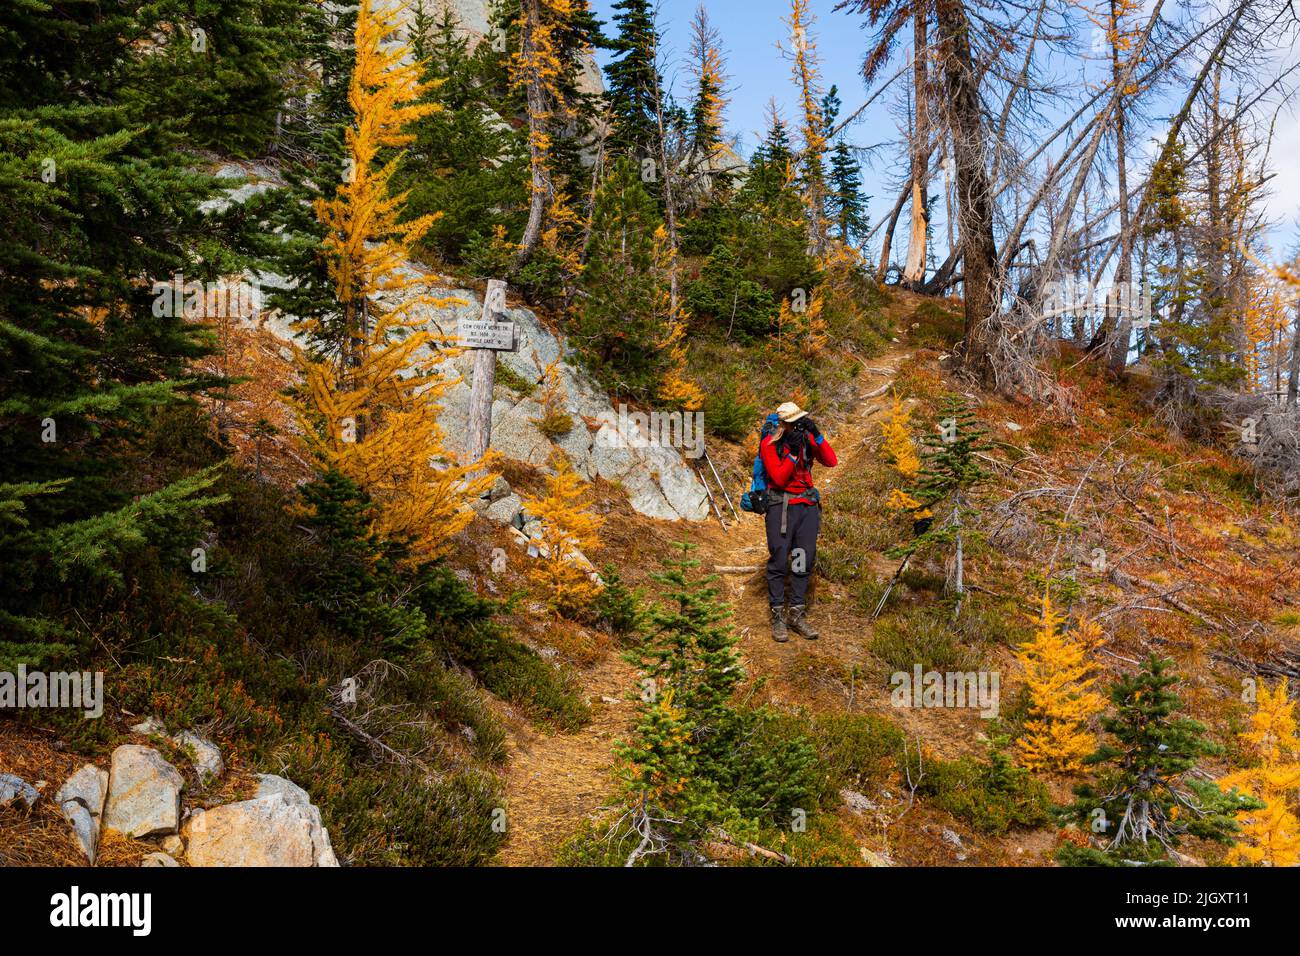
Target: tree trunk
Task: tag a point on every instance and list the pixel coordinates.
(914, 272)
(974, 197)
(882, 269)
(1293, 374)
(478, 427)
(669, 168)
(1123, 320)
(536, 97)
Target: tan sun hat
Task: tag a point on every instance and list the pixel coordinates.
(789, 412)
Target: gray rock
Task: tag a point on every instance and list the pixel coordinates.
(619, 463)
(264, 832)
(158, 859)
(872, 858)
(500, 488)
(172, 845)
(269, 784)
(505, 510)
(150, 726)
(203, 753)
(857, 802)
(516, 435)
(13, 789)
(81, 801)
(144, 793)
(278, 827)
(577, 444)
(659, 481)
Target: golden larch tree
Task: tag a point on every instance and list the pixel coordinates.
(674, 388)
(370, 405)
(1056, 669)
(800, 328)
(707, 71)
(900, 448)
(569, 533)
(807, 77)
(537, 70)
(1269, 836)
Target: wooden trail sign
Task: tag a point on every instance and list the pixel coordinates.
(485, 336)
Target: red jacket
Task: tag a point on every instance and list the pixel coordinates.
(784, 473)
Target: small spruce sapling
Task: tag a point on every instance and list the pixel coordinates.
(1145, 799)
(950, 469)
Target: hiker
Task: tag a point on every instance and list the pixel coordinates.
(793, 514)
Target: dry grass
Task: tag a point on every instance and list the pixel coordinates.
(41, 836)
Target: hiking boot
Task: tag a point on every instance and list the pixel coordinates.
(797, 617)
(779, 633)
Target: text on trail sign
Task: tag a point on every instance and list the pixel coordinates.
(486, 334)
(491, 330)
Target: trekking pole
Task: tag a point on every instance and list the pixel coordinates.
(885, 597)
(721, 486)
(708, 491)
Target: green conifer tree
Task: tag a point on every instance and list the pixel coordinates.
(766, 222)
(465, 163)
(846, 206)
(634, 87)
(103, 197)
(359, 584)
(622, 320)
(725, 294)
(1144, 801)
(221, 66)
(699, 764)
(939, 500)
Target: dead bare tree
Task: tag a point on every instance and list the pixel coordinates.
(914, 271)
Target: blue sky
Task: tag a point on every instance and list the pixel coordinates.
(750, 30)
(758, 72)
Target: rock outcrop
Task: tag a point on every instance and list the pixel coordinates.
(278, 827)
(14, 789)
(81, 801)
(144, 793)
(203, 754)
(658, 481)
(140, 797)
(656, 477)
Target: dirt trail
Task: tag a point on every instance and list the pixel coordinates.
(556, 781)
(745, 543)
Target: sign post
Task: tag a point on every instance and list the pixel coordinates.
(491, 333)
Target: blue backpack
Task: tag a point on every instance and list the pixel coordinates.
(756, 499)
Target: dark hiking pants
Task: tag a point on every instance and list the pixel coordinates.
(795, 548)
